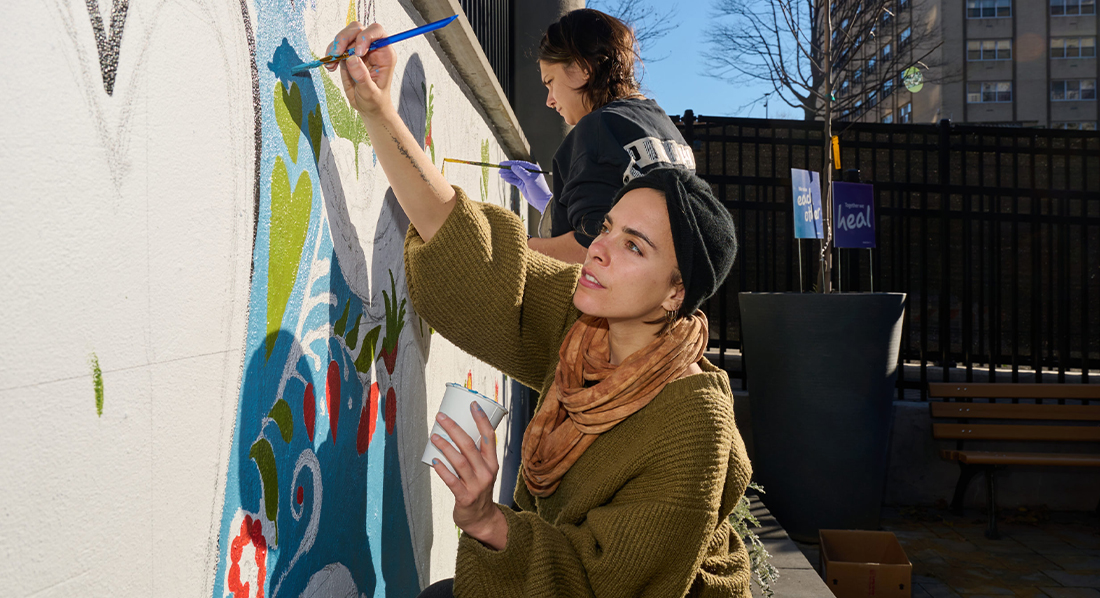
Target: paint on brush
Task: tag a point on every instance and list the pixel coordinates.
(97, 384)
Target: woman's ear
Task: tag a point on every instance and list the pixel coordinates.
(584, 69)
(675, 298)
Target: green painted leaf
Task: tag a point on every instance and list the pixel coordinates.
(369, 350)
(353, 334)
(289, 223)
(97, 384)
(264, 458)
(280, 414)
(342, 323)
(288, 113)
(316, 130)
(428, 141)
(346, 122)
(485, 170)
(395, 317)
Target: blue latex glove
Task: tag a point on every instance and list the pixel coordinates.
(531, 184)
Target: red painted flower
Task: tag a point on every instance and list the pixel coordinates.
(368, 419)
(391, 410)
(309, 410)
(248, 557)
(332, 395)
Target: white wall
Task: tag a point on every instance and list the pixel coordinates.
(130, 238)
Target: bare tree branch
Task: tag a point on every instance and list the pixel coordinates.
(780, 42)
(650, 24)
(833, 59)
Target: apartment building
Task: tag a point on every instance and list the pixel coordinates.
(1028, 63)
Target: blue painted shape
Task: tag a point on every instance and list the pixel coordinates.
(352, 508)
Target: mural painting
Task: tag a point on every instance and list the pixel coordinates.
(317, 497)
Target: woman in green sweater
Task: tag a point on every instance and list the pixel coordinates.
(632, 463)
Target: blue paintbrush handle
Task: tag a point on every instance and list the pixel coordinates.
(378, 43)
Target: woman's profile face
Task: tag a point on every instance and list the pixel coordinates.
(628, 272)
(562, 82)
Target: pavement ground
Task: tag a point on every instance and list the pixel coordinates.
(1041, 554)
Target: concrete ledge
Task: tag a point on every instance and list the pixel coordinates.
(797, 577)
(464, 51)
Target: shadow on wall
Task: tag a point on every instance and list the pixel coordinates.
(406, 500)
(300, 468)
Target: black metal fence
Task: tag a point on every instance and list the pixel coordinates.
(493, 23)
(993, 232)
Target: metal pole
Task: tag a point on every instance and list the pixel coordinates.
(821, 264)
(871, 259)
(839, 270)
(799, 243)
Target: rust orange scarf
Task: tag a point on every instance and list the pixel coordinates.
(572, 416)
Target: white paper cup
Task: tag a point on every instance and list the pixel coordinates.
(456, 405)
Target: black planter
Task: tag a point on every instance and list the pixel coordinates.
(821, 370)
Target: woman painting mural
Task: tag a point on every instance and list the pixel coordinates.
(587, 64)
(632, 463)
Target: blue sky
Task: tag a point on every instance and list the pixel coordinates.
(680, 82)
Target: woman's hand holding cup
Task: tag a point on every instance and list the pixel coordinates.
(366, 76)
(475, 510)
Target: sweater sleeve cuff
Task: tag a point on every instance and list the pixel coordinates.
(519, 536)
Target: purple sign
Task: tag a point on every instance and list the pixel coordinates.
(806, 188)
(854, 224)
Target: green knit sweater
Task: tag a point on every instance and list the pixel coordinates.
(644, 512)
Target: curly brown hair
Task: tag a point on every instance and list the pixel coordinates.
(600, 44)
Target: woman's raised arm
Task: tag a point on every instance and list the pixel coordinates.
(421, 190)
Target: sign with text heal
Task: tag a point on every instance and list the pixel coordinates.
(854, 215)
(806, 189)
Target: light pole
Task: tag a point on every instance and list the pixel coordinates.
(766, 104)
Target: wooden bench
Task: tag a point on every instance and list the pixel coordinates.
(1016, 421)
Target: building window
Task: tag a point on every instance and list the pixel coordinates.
(857, 76)
(872, 62)
(903, 39)
(903, 4)
(888, 118)
(988, 92)
(1072, 47)
(887, 87)
(887, 16)
(989, 49)
(991, 9)
(905, 113)
(887, 53)
(1068, 90)
(1081, 125)
(872, 99)
(1069, 8)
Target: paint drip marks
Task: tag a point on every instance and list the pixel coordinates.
(97, 383)
(108, 44)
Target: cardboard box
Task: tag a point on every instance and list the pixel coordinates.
(862, 564)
